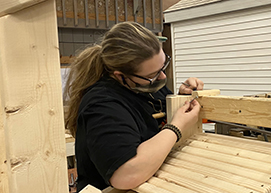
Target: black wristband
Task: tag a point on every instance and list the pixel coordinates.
(174, 129)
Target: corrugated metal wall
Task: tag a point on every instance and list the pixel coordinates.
(230, 52)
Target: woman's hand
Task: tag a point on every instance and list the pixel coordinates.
(191, 84)
(187, 115)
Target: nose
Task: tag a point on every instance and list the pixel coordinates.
(162, 76)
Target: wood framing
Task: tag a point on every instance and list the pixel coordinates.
(32, 136)
(4, 187)
(215, 163)
(12, 6)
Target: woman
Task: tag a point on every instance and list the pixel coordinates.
(113, 89)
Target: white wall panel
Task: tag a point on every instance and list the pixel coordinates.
(230, 51)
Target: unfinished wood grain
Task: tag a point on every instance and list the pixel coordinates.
(256, 146)
(32, 100)
(243, 110)
(262, 165)
(234, 151)
(174, 102)
(90, 189)
(201, 93)
(4, 185)
(113, 190)
(172, 187)
(188, 183)
(203, 180)
(219, 174)
(150, 188)
(11, 6)
(234, 169)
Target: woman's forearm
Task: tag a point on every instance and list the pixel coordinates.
(150, 156)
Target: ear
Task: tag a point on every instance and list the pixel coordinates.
(119, 75)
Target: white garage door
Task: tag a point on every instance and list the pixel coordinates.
(230, 51)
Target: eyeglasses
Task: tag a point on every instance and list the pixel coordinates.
(151, 80)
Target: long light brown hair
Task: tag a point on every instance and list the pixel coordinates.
(123, 48)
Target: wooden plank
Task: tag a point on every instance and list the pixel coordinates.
(235, 142)
(90, 189)
(169, 186)
(199, 181)
(214, 92)
(174, 102)
(32, 101)
(150, 188)
(217, 173)
(113, 190)
(252, 174)
(11, 6)
(243, 110)
(234, 151)
(4, 185)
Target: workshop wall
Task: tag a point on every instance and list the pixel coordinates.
(226, 44)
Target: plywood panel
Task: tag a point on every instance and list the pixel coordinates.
(32, 100)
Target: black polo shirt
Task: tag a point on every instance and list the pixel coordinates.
(112, 122)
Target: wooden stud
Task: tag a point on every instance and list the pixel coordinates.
(31, 100)
(4, 165)
(12, 6)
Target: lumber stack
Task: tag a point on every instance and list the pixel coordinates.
(214, 163)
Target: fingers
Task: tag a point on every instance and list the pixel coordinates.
(186, 106)
(195, 83)
(200, 84)
(195, 106)
(191, 106)
(191, 84)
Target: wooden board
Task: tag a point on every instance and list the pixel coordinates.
(205, 164)
(4, 186)
(174, 102)
(243, 110)
(213, 163)
(31, 100)
(12, 6)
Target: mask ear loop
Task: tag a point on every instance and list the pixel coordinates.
(124, 81)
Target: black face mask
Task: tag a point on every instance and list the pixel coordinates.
(148, 88)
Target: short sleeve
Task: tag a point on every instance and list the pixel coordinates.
(112, 136)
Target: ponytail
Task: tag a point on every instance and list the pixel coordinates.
(86, 70)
